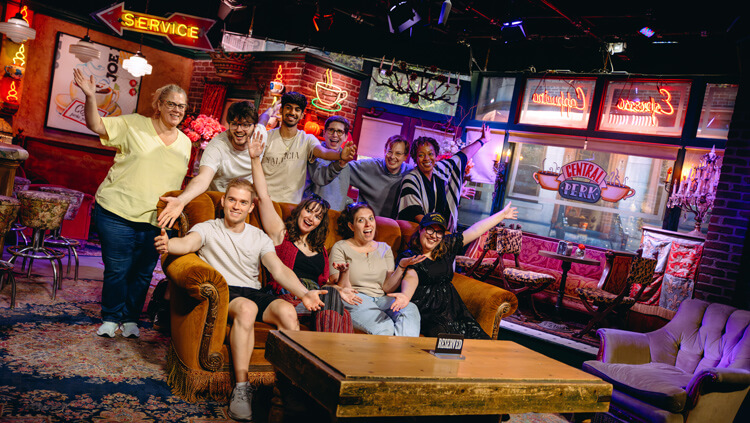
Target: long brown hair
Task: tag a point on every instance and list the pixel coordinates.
(317, 238)
(415, 245)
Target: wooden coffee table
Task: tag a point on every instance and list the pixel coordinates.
(354, 375)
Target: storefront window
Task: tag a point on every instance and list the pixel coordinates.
(495, 97)
(387, 95)
(718, 107)
(645, 107)
(557, 102)
(585, 196)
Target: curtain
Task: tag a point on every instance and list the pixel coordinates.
(213, 99)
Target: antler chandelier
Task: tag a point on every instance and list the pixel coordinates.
(427, 84)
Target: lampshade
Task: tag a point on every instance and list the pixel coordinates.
(17, 29)
(84, 50)
(137, 65)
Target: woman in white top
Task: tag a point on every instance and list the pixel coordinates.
(360, 262)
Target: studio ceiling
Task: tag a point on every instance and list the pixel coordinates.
(560, 34)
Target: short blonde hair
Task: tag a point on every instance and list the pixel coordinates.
(162, 93)
(242, 183)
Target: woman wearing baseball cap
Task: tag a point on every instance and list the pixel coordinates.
(428, 282)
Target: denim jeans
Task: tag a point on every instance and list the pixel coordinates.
(129, 258)
(374, 316)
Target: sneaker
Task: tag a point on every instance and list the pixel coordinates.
(239, 404)
(107, 329)
(130, 330)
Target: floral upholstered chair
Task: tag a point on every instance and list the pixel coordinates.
(616, 298)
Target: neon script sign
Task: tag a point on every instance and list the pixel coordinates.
(180, 29)
(652, 107)
(565, 102)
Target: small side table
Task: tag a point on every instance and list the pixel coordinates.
(567, 263)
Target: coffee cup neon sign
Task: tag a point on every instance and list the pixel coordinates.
(565, 102)
(569, 184)
(328, 95)
(651, 106)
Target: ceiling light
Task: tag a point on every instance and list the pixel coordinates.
(17, 29)
(228, 6)
(137, 65)
(513, 31)
(402, 17)
(444, 12)
(648, 32)
(84, 50)
(614, 48)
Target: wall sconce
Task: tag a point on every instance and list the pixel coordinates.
(84, 50)
(137, 65)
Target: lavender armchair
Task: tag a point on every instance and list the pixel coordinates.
(694, 369)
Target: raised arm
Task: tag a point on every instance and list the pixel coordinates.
(88, 87)
(197, 186)
(393, 278)
(471, 149)
(271, 221)
(190, 243)
(346, 154)
(322, 175)
(476, 230)
(286, 278)
(269, 113)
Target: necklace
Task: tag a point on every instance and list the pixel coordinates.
(287, 141)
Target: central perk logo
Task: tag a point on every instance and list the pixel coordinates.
(583, 181)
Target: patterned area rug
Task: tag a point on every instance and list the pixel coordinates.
(53, 368)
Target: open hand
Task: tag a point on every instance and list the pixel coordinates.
(509, 212)
(348, 152)
(312, 301)
(401, 300)
(256, 146)
(349, 296)
(410, 261)
(468, 192)
(341, 267)
(486, 132)
(171, 212)
(87, 85)
(161, 242)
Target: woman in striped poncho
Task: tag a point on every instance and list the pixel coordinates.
(435, 186)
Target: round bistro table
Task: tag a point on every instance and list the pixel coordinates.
(567, 263)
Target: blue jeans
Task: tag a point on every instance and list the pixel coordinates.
(129, 258)
(375, 317)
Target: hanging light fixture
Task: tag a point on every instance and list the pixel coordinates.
(137, 65)
(17, 29)
(84, 49)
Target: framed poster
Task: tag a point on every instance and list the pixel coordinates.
(116, 89)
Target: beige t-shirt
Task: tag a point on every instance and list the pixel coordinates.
(237, 256)
(144, 168)
(285, 165)
(367, 271)
(227, 162)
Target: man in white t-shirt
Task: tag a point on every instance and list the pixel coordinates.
(236, 249)
(288, 151)
(224, 159)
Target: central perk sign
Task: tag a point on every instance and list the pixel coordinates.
(180, 29)
(583, 180)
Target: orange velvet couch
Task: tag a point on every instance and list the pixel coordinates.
(198, 362)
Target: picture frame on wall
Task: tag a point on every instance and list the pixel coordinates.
(117, 90)
(235, 96)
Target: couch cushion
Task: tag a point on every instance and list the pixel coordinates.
(657, 384)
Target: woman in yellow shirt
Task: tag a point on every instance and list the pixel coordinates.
(151, 159)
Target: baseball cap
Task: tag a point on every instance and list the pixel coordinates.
(433, 218)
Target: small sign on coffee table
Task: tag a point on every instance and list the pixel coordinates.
(449, 346)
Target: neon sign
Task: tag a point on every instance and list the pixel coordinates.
(329, 96)
(12, 96)
(585, 181)
(276, 86)
(651, 106)
(180, 29)
(565, 102)
(20, 56)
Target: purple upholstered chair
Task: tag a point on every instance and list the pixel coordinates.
(694, 369)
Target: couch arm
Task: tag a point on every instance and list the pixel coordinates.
(487, 303)
(621, 346)
(199, 298)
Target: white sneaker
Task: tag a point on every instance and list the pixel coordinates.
(130, 330)
(107, 329)
(239, 403)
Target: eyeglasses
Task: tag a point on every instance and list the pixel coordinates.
(171, 105)
(396, 154)
(320, 200)
(338, 132)
(432, 231)
(243, 125)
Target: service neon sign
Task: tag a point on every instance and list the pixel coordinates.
(180, 29)
(565, 102)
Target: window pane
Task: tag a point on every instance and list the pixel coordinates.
(718, 107)
(495, 97)
(634, 186)
(387, 95)
(645, 107)
(557, 102)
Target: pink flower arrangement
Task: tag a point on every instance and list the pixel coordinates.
(201, 129)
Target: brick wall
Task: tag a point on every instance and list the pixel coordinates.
(720, 277)
(297, 76)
